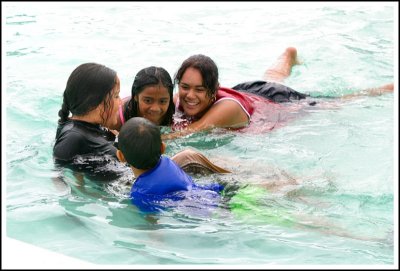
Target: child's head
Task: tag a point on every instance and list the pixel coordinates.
(207, 69)
(152, 96)
(197, 80)
(92, 86)
(140, 143)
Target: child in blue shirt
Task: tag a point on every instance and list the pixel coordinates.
(158, 178)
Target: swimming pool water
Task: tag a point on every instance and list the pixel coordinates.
(341, 209)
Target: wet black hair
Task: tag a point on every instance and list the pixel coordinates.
(140, 142)
(88, 85)
(207, 68)
(150, 76)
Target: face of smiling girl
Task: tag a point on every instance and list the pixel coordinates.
(192, 94)
(153, 103)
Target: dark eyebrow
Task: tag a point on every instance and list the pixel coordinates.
(196, 86)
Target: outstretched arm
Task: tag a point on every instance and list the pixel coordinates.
(225, 114)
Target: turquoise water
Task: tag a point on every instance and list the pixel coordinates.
(340, 210)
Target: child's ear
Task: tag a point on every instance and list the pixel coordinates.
(163, 147)
(120, 156)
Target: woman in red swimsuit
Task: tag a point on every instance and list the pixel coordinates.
(202, 104)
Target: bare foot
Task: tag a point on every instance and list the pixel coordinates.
(379, 90)
(387, 88)
(283, 66)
